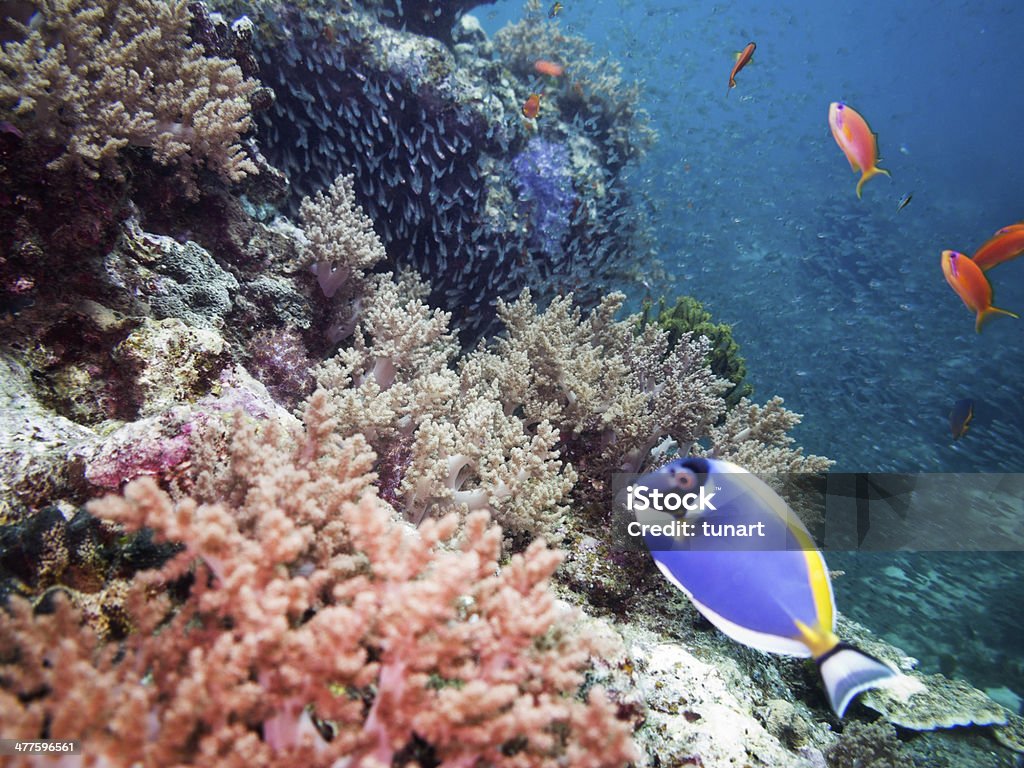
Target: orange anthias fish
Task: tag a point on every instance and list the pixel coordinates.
(742, 59)
(966, 278)
(960, 417)
(853, 136)
(1006, 244)
(549, 68)
(531, 107)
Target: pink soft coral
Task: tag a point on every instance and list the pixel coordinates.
(316, 631)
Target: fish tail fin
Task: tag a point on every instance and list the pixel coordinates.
(847, 671)
(870, 173)
(986, 314)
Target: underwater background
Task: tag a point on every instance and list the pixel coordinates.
(259, 269)
(839, 304)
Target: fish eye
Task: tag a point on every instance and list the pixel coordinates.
(684, 478)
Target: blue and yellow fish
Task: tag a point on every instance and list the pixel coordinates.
(765, 586)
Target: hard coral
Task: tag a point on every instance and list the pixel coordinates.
(431, 649)
(95, 77)
(872, 745)
(689, 315)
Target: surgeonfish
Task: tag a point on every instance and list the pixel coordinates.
(966, 278)
(1006, 244)
(960, 417)
(742, 59)
(771, 592)
(855, 138)
(904, 201)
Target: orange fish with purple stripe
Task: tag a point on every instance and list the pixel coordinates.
(855, 138)
(966, 278)
(531, 107)
(1006, 244)
(549, 68)
(742, 59)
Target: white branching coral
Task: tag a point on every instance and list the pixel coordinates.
(97, 76)
(757, 438)
(598, 381)
(342, 243)
(396, 370)
(480, 458)
(443, 446)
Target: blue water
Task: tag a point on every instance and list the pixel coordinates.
(839, 304)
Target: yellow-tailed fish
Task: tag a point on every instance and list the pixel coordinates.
(966, 278)
(772, 591)
(855, 138)
(1006, 244)
(960, 417)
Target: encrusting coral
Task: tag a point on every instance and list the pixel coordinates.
(96, 77)
(315, 628)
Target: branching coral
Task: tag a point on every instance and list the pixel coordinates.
(610, 392)
(443, 445)
(97, 76)
(310, 612)
(757, 438)
(341, 240)
(688, 314)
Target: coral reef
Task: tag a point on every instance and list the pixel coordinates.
(444, 444)
(92, 79)
(612, 394)
(435, 655)
(689, 315)
(263, 590)
(429, 133)
(868, 745)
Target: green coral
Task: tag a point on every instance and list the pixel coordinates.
(689, 315)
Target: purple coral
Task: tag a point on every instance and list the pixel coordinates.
(279, 359)
(545, 191)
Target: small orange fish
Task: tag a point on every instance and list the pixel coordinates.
(960, 417)
(549, 68)
(1006, 244)
(966, 278)
(531, 107)
(742, 59)
(858, 143)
